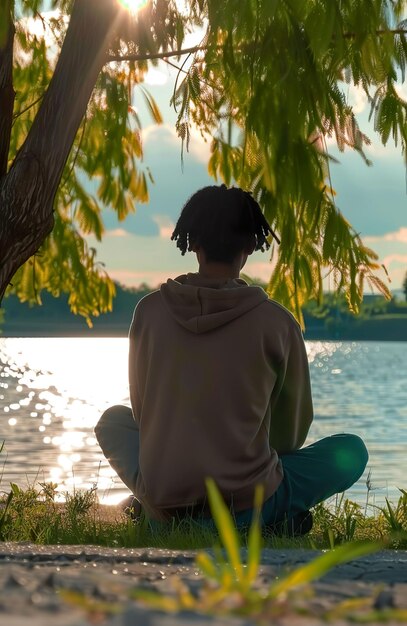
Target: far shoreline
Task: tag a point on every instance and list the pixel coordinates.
(57, 331)
(378, 320)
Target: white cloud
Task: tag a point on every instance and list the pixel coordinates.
(357, 98)
(165, 225)
(198, 148)
(117, 232)
(258, 269)
(155, 77)
(400, 235)
(397, 236)
(377, 149)
(399, 259)
(392, 250)
(152, 130)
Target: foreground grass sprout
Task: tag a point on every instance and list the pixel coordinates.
(232, 573)
(230, 583)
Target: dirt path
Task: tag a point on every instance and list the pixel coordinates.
(82, 585)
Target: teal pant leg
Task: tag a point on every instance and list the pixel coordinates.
(118, 436)
(315, 473)
(311, 475)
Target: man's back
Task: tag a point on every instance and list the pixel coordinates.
(211, 362)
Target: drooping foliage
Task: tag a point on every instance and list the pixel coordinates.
(268, 84)
(278, 73)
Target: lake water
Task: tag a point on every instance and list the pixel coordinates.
(52, 392)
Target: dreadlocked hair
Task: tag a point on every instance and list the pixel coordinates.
(223, 222)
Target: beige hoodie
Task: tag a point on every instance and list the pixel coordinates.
(219, 386)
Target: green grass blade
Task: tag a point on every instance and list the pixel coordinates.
(391, 517)
(226, 527)
(208, 566)
(323, 564)
(15, 489)
(3, 516)
(254, 542)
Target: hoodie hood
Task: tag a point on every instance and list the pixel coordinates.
(202, 304)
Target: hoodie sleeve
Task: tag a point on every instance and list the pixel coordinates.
(136, 369)
(291, 403)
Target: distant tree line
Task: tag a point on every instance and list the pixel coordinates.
(55, 318)
(378, 318)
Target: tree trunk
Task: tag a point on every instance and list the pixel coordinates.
(7, 95)
(28, 190)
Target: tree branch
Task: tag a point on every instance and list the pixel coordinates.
(7, 95)
(379, 33)
(177, 53)
(30, 106)
(157, 55)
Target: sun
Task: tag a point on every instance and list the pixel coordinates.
(133, 5)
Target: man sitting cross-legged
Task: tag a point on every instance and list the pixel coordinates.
(220, 387)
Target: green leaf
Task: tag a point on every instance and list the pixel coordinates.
(323, 564)
(15, 489)
(254, 542)
(3, 516)
(152, 106)
(207, 565)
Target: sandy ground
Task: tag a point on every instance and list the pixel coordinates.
(82, 585)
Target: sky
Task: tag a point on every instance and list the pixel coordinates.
(373, 199)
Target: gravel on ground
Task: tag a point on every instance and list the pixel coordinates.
(82, 585)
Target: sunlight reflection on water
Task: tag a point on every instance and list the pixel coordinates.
(52, 392)
(55, 390)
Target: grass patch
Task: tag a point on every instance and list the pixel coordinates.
(32, 514)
